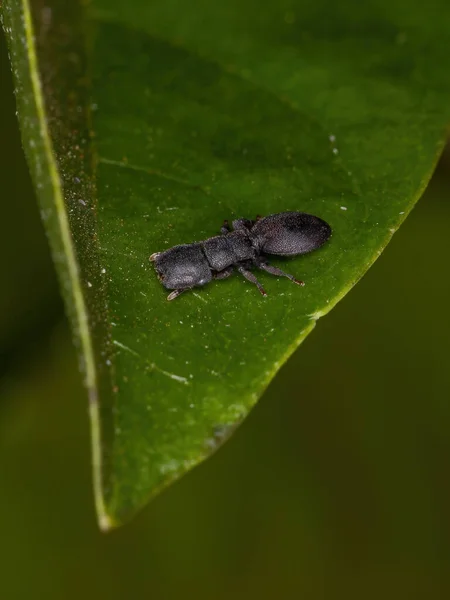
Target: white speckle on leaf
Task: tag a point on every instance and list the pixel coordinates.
(169, 467)
(343, 208)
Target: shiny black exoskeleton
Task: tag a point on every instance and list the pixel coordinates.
(285, 234)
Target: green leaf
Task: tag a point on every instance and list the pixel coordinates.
(146, 124)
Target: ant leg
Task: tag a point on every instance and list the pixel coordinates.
(223, 274)
(249, 275)
(225, 228)
(176, 293)
(276, 271)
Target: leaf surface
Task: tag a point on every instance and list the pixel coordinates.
(147, 124)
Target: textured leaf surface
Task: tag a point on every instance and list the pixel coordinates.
(147, 124)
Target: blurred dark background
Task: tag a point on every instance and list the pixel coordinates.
(336, 486)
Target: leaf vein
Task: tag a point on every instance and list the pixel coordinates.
(152, 366)
(148, 171)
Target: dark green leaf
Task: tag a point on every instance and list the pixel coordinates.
(148, 123)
